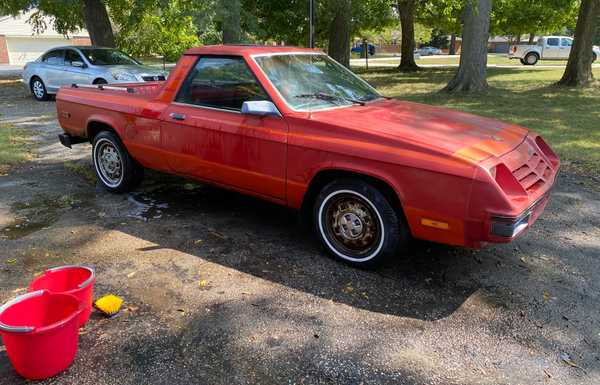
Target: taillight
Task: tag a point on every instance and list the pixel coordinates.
(543, 146)
(514, 48)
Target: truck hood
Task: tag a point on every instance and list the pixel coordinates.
(448, 131)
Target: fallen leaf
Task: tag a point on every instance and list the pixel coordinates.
(203, 283)
(131, 274)
(547, 296)
(17, 290)
(11, 261)
(246, 292)
(198, 242)
(566, 357)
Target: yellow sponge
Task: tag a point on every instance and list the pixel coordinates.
(109, 305)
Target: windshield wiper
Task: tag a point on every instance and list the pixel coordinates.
(329, 97)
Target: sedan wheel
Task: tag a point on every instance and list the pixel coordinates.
(357, 224)
(38, 89)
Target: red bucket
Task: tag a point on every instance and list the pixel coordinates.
(75, 280)
(40, 331)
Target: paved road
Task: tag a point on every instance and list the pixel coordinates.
(225, 289)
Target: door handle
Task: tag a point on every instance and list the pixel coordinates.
(177, 116)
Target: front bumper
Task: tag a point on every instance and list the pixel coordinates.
(505, 229)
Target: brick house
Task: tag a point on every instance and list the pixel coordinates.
(20, 44)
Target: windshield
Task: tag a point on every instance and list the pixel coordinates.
(105, 57)
(313, 82)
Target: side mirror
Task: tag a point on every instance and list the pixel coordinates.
(79, 64)
(260, 108)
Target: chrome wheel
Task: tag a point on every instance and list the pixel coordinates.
(108, 162)
(351, 225)
(37, 87)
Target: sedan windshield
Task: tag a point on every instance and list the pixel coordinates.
(312, 82)
(105, 57)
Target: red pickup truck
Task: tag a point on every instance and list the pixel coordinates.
(292, 126)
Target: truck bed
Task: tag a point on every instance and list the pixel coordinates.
(78, 105)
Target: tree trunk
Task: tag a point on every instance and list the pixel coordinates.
(472, 70)
(579, 67)
(452, 49)
(406, 9)
(97, 23)
(518, 40)
(531, 38)
(339, 32)
(231, 25)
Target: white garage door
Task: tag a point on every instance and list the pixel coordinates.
(24, 49)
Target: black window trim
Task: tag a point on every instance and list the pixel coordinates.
(216, 56)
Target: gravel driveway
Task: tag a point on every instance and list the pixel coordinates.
(225, 289)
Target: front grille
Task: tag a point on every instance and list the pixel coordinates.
(534, 173)
(153, 78)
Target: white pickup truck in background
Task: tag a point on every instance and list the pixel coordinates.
(547, 48)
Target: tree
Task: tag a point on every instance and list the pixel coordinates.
(518, 17)
(406, 10)
(579, 67)
(230, 12)
(163, 27)
(68, 16)
(472, 69)
(339, 31)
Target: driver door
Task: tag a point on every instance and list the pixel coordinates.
(206, 136)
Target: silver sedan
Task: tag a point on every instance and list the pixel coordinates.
(64, 66)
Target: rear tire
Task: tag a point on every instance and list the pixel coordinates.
(357, 224)
(100, 81)
(531, 59)
(38, 89)
(115, 168)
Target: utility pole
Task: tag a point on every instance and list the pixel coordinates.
(311, 23)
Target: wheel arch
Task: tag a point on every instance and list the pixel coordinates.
(95, 126)
(325, 176)
(536, 53)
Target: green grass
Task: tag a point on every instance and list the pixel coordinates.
(569, 119)
(496, 60)
(15, 146)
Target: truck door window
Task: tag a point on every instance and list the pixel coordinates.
(552, 41)
(566, 42)
(221, 82)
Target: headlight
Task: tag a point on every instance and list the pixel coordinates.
(124, 76)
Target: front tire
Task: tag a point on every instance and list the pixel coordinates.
(38, 89)
(115, 168)
(357, 224)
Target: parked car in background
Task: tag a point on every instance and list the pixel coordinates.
(429, 51)
(84, 65)
(292, 126)
(359, 48)
(547, 48)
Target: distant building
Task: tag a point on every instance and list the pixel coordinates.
(20, 44)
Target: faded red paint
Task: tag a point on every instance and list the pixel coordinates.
(437, 160)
